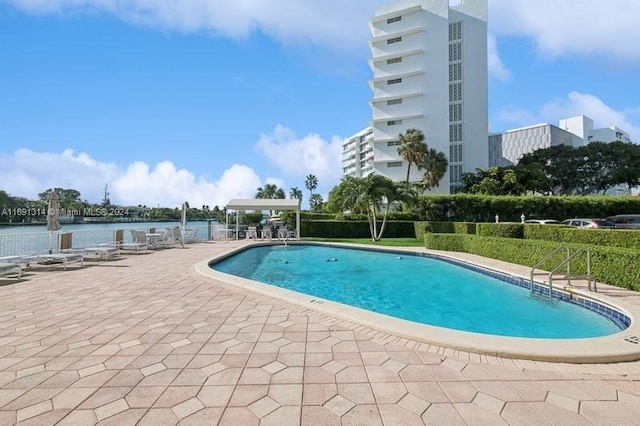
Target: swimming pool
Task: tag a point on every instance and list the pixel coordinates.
(419, 289)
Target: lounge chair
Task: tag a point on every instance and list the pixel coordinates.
(66, 253)
(10, 268)
(138, 243)
(103, 251)
(61, 258)
(167, 239)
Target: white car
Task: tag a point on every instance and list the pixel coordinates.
(543, 221)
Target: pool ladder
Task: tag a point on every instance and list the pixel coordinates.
(568, 276)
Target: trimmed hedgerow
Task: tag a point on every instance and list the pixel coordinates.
(354, 229)
(612, 265)
(505, 230)
(444, 228)
(628, 238)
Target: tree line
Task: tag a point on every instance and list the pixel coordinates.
(594, 168)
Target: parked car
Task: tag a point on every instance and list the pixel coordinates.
(589, 223)
(543, 221)
(625, 221)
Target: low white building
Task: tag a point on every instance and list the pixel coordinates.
(506, 148)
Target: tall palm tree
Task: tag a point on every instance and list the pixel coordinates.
(295, 192)
(270, 190)
(311, 182)
(435, 164)
(412, 148)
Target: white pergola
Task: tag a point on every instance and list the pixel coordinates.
(265, 204)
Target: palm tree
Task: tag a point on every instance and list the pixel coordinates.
(435, 163)
(368, 196)
(315, 203)
(270, 190)
(412, 148)
(295, 192)
(311, 182)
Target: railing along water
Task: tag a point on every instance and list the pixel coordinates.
(14, 242)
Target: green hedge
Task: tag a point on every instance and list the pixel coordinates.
(625, 238)
(483, 208)
(612, 265)
(354, 229)
(504, 230)
(444, 228)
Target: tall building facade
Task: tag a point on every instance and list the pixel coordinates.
(357, 154)
(429, 63)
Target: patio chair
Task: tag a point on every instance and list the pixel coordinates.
(252, 232)
(190, 235)
(168, 239)
(138, 241)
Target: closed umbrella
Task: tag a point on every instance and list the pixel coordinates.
(183, 220)
(53, 207)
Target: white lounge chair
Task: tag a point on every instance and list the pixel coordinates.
(9, 268)
(167, 239)
(103, 251)
(138, 243)
(61, 258)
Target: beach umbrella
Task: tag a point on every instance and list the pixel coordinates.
(53, 208)
(183, 220)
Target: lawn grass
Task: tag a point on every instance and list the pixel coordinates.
(393, 242)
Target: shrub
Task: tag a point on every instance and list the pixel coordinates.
(612, 265)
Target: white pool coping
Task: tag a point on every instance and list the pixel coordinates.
(618, 347)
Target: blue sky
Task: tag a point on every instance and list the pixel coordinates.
(206, 100)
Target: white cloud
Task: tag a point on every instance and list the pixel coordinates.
(606, 29)
(338, 24)
(299, 157)
(495, 65)
(576, 103)
(603, 115)
(26, 173)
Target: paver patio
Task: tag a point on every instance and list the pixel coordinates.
(146, 340)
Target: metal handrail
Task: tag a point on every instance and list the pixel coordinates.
(566, 262)
(569, 276)
(540, 262)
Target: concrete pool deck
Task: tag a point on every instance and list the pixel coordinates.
(146, 339)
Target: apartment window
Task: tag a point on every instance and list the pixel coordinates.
(455, 31)
(394, 164)
(394, 81)
(394, 122)
(394, 19)
(394, 60)
(393, 143)
(455, 153)
(394, 101)
(455, 52)
(394, 40)
(455, 173)
(455, 133)
(455, 92)
(455, 71)
(455, 112)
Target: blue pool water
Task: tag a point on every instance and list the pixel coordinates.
(416, 288)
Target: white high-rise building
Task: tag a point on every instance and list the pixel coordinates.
(429, 63)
